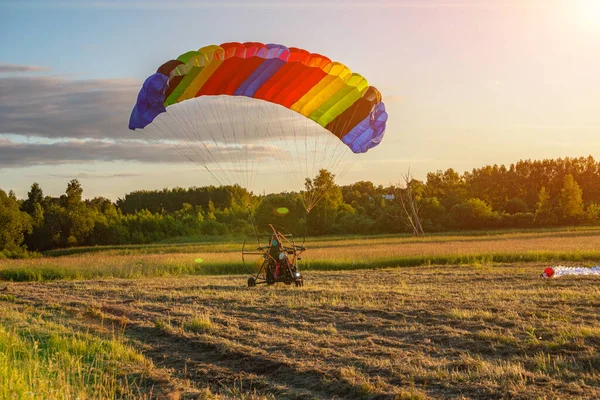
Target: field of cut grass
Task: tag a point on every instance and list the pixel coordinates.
(482, 331)
(580, 246)
(465, 317)
(41, 357)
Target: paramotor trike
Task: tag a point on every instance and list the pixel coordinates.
(272, 258)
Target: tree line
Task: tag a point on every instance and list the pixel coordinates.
(523, 195)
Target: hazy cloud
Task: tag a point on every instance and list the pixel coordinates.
(14, 154)
(17, 154)
(85, 175)
(56, 107)
(49, 120)
(15, 68)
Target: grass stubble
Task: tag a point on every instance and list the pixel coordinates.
(482, 331)
(472, 321)
(42, 357)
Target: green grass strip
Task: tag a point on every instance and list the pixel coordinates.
(49, 272)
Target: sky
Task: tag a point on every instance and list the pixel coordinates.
(466, 83)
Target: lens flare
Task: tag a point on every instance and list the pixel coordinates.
(282, 211)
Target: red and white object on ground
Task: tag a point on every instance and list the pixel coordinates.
(558, 271)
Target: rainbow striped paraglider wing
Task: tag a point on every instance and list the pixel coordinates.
(311, 84)
(240, 109)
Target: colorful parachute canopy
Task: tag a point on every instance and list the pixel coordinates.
(310, 84)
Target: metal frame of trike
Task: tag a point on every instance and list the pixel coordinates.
(286, 241)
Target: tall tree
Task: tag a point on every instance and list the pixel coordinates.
(74, 193)
(33, 205)
(78, 221)
(13, 224)
(570, 201)
(34, 196)
(448, 186)
(544, 211)
(328, 196)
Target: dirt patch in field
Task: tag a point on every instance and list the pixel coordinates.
(435, 332)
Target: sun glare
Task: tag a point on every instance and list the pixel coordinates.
(589, 10)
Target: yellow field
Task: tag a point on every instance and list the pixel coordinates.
(450, 332)
(455, 317)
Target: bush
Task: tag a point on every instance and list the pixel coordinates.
(472, 214)
(517, 220)
(593, 213)
(516, 206)
(350, 221)
(213, 228)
